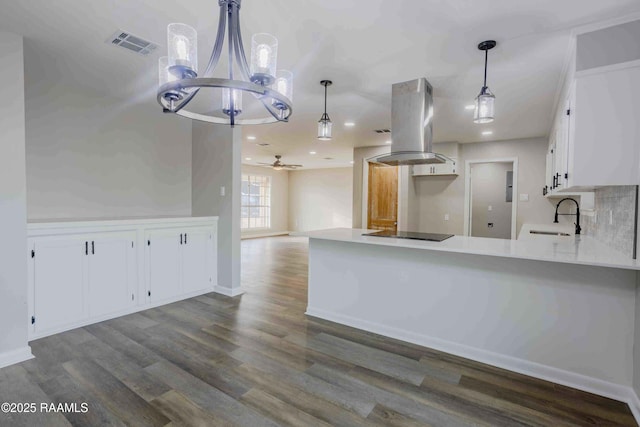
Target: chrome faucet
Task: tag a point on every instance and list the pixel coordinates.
(577, 214)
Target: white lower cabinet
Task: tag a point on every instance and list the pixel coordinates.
(78, 278)
(111, 273)
(59, 279)
(180, 261)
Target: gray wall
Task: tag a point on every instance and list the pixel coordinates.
(279, 199)
(90, 155)
(320, 199)
(13, 227)
(433, 197)
(488, 189)
(620, 201)
(216, 163)
(636, 341)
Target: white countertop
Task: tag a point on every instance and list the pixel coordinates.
(570, 250)
(43, 224)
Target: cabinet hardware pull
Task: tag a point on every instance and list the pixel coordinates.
(93, 248)
(185, 238)
(180, 238)
(86, 248)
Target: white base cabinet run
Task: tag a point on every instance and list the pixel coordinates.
(86, 272)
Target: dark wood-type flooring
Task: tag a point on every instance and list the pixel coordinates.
(257, 360)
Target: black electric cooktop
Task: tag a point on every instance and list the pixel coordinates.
(433, 237)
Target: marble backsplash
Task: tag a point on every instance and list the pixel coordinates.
(621, 202)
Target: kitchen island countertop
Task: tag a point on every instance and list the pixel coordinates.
(582, 250)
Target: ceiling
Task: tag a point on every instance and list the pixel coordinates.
(364, 46)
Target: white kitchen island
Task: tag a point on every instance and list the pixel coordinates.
(554, 308)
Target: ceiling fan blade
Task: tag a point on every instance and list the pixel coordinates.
(266, 164)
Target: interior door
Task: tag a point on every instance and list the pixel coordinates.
(59, 267)
(111, 273)
(196, 253)
(382, 212)
(163, 264)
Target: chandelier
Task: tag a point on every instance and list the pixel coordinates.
(179, 82)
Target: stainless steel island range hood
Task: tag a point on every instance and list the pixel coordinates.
(411, 126)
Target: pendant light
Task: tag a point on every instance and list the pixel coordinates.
(485, 102)
(324, 124)
(180, 81)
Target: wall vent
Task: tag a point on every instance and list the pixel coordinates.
(262, 144)
(132, 43)
(328, 158)
(382, 131)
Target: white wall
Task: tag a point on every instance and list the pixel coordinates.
(279, 199)
(320, 198)
(90, 155)
(217, 151)
(13, 227)
(488, 189)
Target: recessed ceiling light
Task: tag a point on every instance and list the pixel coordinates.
(247, 158)
(351, 162)
(487, 132)
(388, 142)
(349, 124)
(470, 107)
(252, 138)
(312, 152)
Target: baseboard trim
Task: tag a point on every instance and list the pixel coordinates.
(16, 356)
(259, 235)
(548, 373)
(230, 292)
(634, 404)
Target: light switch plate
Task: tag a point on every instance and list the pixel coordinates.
(223, 191)
(490, 208)
(524, 197)
(446, 217)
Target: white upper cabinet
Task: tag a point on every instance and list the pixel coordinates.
(449, 168)
(595, 140)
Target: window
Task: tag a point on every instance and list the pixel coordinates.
(256, 202)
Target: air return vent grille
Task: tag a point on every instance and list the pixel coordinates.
(132, 43)
(382, 131)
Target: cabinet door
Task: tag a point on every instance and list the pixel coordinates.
(58, 274)
(111, 273)
(606, 129)
(196, 259)
(163, 264)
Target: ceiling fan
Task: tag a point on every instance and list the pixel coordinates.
(278, 165)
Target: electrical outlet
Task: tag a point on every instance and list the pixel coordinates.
(446, 217)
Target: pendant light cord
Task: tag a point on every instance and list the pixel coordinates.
(486, 59)
(325, 99)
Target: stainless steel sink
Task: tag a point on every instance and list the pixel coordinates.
(550, 233)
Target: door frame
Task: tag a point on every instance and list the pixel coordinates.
(402, 197)
(467, 193)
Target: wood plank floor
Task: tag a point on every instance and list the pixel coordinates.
(257, 360)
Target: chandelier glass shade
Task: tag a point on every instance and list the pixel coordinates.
(324, 124)
(179, 81)
(485, 101)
